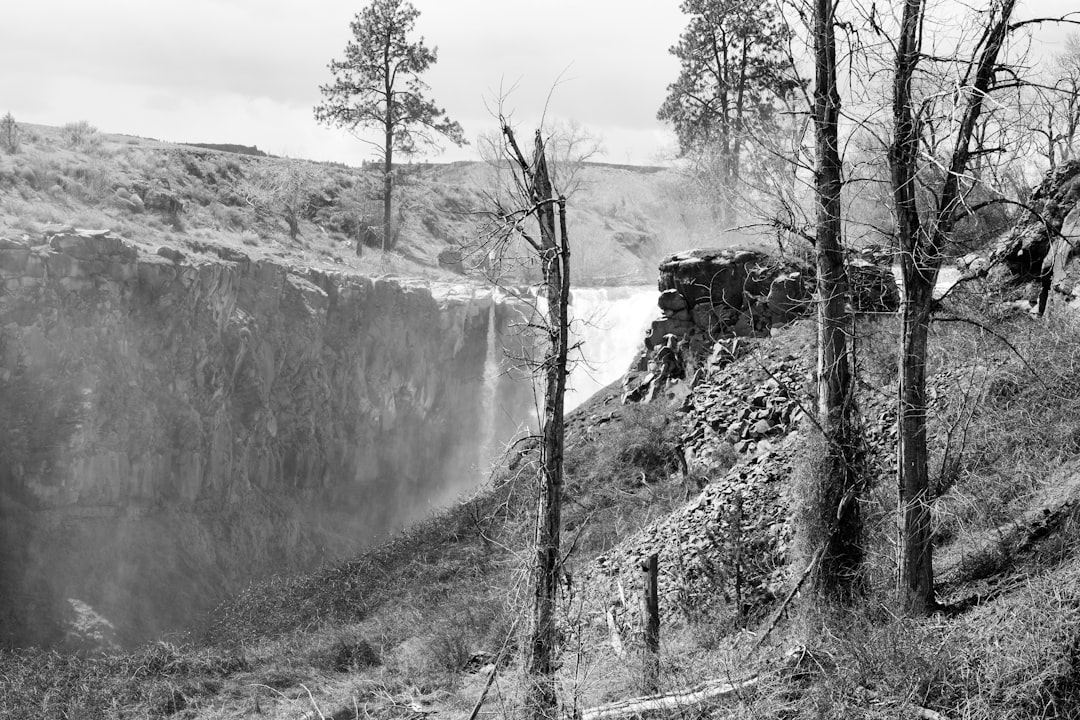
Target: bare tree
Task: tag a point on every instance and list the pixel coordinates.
(1054, 115)
(282, 188)
(839, 479)
(535, 198)
(928, 205)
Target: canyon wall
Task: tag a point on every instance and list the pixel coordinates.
(172, 427)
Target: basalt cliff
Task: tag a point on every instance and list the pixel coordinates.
(175, 425)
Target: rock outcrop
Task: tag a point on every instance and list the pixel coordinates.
(174, 426)
(726, 292)
(1039, 250)
(1026, 247)
(707, 296)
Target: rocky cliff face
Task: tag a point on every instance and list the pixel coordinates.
(173, 427)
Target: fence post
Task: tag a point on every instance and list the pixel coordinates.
(651, 608)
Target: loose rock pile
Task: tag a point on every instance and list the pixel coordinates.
(728, 546)
(751, 402)
(725, 551)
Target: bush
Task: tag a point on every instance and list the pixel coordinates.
(10, 135)
(81, 135)
(345, 654)
(863, 655)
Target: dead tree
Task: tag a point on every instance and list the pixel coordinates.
(535, 198)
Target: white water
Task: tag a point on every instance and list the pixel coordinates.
(948, 276)
(610, 324)
(492, 370)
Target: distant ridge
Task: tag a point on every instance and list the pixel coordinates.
(229, 147)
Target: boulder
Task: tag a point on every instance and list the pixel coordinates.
(1025, 249)
(93, 245)
(671, 301)
(164, 201)
(788, 298)
(720, 276)
(85, 630)
(170, 253)
(654, 336)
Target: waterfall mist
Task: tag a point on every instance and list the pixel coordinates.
(609, 324)
(163, 450)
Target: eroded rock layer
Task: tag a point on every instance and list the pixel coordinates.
(173, 427)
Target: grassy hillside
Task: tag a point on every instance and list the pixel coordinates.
(417, 625)
(200, 199)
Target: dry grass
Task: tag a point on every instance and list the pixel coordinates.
(155, 682)
(1013, 417)
(630, 217)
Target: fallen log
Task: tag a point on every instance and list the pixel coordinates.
(712, 690)
(1054, 505)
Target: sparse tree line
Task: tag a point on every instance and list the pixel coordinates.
(946, 108)
(936, 104)
(783, 111)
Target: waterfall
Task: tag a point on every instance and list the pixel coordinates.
(609, 324)
(492, 370)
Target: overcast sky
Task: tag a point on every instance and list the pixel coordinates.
(248, 71)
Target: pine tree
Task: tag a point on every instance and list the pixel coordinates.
(378, 86)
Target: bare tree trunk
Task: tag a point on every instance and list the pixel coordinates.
(915, 586)
(388, 184)
(555, 257)
(920, 260)
(836, 575)
(918, 270)
(650, 605)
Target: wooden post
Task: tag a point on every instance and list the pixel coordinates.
(651, 614)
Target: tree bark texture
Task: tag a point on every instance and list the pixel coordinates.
(836, 575)
(651, 615)
(555, 258)
(388, 184)
(918, 269)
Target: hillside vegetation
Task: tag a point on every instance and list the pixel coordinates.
(708, 478)
(418, 625)
(200, 199)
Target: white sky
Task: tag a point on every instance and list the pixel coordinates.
(248, 71)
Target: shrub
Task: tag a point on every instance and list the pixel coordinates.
(81, 135)
(345, 653)
(10, 135)
(864, 654)
(644, 445)
(91, 182)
